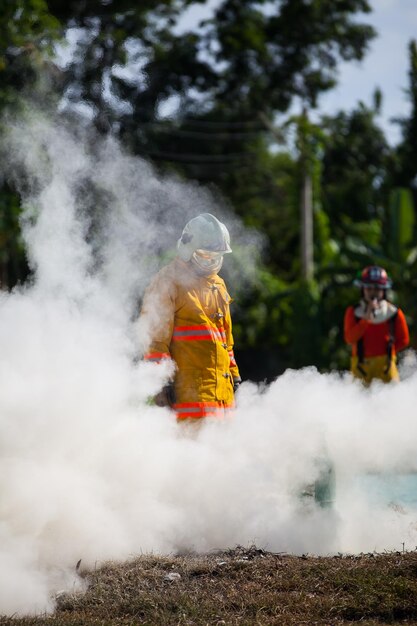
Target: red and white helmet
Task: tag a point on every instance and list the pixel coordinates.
(373, 276)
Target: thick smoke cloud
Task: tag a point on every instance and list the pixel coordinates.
(88, 470)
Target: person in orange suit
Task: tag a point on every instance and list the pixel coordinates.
(375, 328)
(186, 313)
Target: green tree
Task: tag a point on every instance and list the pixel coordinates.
(355, 195)
(355, 164)
(406, 171)
(223, 85)
(253, 55)
(27, 33)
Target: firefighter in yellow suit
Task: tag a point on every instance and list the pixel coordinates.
(186, 314)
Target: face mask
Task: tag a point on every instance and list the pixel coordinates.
(373, 294)
(207, 262)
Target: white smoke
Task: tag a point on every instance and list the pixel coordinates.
(88, 470)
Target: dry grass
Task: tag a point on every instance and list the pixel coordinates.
(243, 586)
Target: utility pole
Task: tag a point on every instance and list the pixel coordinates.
(306, 217)
(279, 136)
(306, 206)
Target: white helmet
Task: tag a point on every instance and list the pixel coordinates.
(204, 241)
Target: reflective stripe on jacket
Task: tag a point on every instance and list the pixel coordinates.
(196, 410)
(188, 319)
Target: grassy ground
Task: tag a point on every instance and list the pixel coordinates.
(243, 587)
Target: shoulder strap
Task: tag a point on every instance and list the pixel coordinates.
(391, 339)
(359, 345)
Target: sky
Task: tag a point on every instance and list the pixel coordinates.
(385, 66)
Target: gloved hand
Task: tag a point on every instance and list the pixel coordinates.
(166, 397)
(236, 383)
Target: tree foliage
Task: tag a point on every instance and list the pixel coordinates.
(211, 103)
(405, 174)
(252, 55)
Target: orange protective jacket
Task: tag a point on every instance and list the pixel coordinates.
(188, 319)
(375, 336)
(375, 345)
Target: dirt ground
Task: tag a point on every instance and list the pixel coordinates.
(242, 586)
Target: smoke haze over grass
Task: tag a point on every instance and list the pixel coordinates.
(87, 469)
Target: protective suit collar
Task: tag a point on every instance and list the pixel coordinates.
(385, 311)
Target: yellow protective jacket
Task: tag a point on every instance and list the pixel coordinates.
(188, 319)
